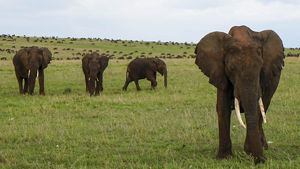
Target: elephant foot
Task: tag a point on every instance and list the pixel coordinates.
(259, 160)
(224, 155)
(42, 93)
(124, 89)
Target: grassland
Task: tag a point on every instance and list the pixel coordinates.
(165, 128)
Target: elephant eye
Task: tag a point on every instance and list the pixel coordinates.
(233, 50)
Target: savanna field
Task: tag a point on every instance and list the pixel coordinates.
(166, 128)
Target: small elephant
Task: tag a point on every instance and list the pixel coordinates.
(245, 67)
(141, 68)
(29, 63)
(93, 66)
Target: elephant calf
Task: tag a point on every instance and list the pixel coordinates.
(93, 66)
(141, 68)
(30, 62)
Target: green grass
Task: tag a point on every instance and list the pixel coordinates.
(166, 128)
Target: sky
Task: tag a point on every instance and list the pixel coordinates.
(149, 20)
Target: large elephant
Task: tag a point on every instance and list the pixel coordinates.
(141, 68)
(93, 66)
(245, 67)
(30, 62)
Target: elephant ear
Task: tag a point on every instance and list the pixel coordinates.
(103, 62)
(273, 55)
(154, 64)
(210, 58)
(46, 57)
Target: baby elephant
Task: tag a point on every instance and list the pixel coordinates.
(141, 68)
(93, 66)
(29, 63)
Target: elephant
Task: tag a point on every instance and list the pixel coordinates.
(141, 68)
(29, 63)
(245, 67)
(93, 66)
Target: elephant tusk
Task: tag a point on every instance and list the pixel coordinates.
(97, 80)
(238, 112)
(262, 110)
(37, 74)
(29, 73)
(89, 79)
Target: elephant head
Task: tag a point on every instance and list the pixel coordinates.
(41, 56)
(244, 62)
(46, 57)
(161, 67)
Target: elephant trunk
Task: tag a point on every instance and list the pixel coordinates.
(92, 82)
(250, 100)
(166, 78)
(253, 144)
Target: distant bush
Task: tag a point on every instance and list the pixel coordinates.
(293, 54)
(3, 58)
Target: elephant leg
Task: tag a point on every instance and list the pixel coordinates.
(127, 81)
(92, 86)
(267, 96)
(41, 82)
(99, 85)
(97, 89)
(136, 81)
(25, 90)
(20, 82)
(266, 101)
(262, 134)
(152, 78)
(86, 77)
(224, 112)
(153, 82)
(100, 78)
(32, 77)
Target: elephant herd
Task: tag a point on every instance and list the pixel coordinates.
(244, 65)
(30, 62)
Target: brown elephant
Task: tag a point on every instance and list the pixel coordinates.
(245, 67)
(93, 66)
(141, 68)
(30, 62)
